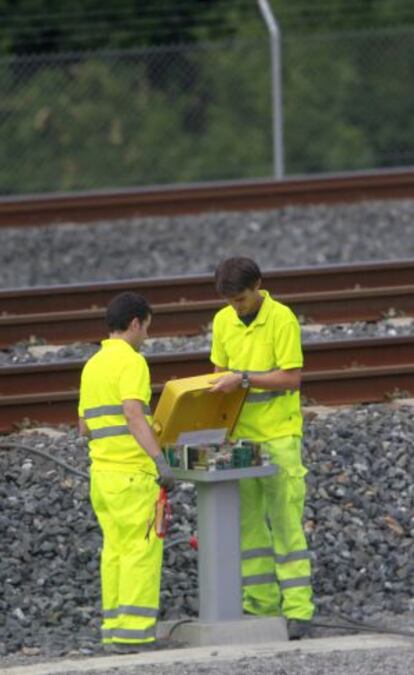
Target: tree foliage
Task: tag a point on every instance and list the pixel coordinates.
(124, 115)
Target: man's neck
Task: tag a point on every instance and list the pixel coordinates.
(121, 335)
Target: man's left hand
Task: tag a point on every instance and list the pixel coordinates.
(227, 383)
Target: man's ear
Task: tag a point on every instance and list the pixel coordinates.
(135, 323)
(257, 285)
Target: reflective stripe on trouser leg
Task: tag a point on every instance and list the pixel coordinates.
(130, 564)
(284, 497)
(261, 593)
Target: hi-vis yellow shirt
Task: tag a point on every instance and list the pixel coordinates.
(114, 374)
(270, 342)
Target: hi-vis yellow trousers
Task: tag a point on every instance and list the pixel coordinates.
(131, 560)
(275, 560)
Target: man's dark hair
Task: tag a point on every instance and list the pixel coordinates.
(236, 275)
(124, 308)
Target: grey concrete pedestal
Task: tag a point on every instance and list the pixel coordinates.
(221, 618)
(248, 630)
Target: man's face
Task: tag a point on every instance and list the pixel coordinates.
(247, 301)
(140, 331)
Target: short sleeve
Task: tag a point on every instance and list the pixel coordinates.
(288, 346)
(218, 355)
(134, 381)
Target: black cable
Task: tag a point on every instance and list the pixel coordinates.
(175, 626)
(378, 628)
(27, 448)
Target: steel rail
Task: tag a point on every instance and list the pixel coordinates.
(315, 279)
(82, 207)
(319, 356)
(191, 318)
(333, 387)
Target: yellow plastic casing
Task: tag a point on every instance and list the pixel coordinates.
(187, 404)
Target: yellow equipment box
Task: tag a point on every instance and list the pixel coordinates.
(189, 412)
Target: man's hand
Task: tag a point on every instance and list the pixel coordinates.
(166, 476)
(227, 383)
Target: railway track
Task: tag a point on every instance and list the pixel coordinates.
(316, 279)
(365, 292)
(335, 373)
(235, 196)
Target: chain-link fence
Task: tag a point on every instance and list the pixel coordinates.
(203, 112)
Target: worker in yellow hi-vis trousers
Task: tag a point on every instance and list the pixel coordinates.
(127, 469)
(258, 339)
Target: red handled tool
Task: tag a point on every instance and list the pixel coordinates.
(163, 514)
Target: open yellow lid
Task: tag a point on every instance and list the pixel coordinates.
(187, 408)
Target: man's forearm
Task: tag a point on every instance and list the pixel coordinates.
(276, 380)
(83, 429)
(144, 435)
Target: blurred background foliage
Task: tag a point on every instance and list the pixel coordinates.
(100, 95)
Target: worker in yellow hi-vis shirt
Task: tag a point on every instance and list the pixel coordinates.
(127, 469)
(258, 339)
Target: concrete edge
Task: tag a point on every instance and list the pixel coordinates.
(221, 653)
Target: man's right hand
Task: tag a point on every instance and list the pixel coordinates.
(166, 475)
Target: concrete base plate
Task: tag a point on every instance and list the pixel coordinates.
(248, 630)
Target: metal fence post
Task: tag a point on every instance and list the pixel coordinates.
(277, 101)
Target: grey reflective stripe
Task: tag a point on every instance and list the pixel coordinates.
(292, 583)
(132, 610)
(262, 396)
(254, 372)
(291, 557)
(110, 613)
(119, 430)
(257, 553)
(256, 579)
(129, 634)
(103, 410)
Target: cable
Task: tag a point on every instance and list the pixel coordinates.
(45, 455)
(175, 626)
(376, 627)
(358, 626)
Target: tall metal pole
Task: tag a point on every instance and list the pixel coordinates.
(277, 100)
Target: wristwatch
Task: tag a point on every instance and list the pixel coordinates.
(245, 380)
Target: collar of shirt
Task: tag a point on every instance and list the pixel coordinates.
(119, 343)
(262, 315)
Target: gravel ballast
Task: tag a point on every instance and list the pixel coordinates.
(143, 247)
(30, 352)
(381, 662)
(359, 520)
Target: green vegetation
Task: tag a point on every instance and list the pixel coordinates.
(87, 101)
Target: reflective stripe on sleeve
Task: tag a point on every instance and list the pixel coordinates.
(293, 583)
(293, 556)
(257, 579)
(254, 372)
(257, 553)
